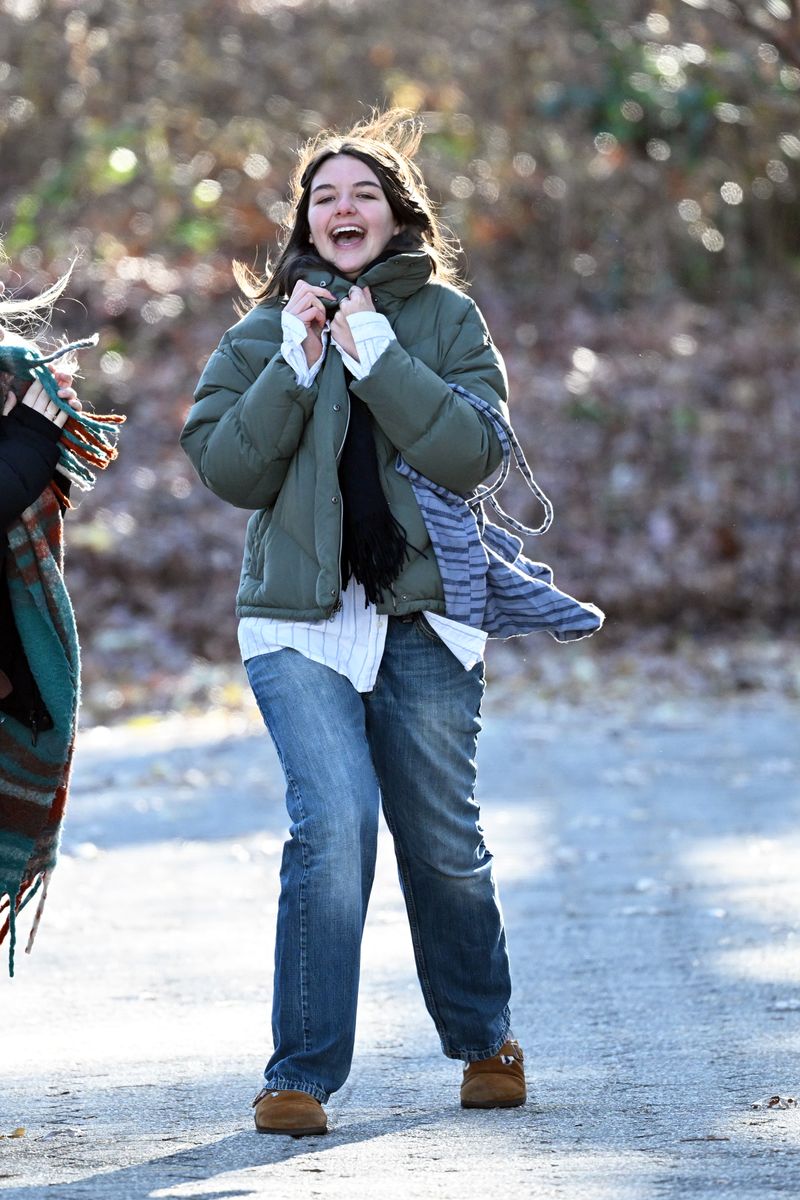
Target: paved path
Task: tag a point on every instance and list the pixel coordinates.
(649, 879)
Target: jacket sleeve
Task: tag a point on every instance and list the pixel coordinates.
(438, 432)
(244, 428)
(28, 457)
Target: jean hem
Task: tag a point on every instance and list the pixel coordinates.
(479, 1055)
(279, 1083)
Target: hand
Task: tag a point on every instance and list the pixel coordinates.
(305, 302)
(37, 398)
(357, 300)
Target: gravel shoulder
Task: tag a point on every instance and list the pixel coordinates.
(647, 866)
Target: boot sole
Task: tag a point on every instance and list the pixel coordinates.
(293, 1132)
(516, 1103)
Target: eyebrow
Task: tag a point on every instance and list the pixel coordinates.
(361, 183)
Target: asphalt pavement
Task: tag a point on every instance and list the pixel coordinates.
(647, 862)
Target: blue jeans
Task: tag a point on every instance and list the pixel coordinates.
(412, 741)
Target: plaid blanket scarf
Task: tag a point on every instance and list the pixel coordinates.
(35, 768)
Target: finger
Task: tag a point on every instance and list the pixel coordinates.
(301, 288)
(311, 318)
(36, 397)
(71, 397)
(314, 302)
(11, 400)
(320, 317)
(306, 305)
(357, 301)
(360, 301)
(63, 378)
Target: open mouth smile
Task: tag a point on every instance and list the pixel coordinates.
(347, 235)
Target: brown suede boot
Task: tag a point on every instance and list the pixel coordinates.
(295, 1113)
(497, 1082)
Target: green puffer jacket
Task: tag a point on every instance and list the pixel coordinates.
(260, 440)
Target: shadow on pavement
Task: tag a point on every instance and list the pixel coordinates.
(241, 1151)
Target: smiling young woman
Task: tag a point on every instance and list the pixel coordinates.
(350, 220)
(357, 347)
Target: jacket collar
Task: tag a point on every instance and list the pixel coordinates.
(390, 281)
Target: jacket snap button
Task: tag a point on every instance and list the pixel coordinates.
(334, 499)
(333, 591)
(337, 408)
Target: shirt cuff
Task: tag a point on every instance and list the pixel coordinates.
(372, 333)
(294, 334)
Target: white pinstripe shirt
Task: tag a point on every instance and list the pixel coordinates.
(352, 640)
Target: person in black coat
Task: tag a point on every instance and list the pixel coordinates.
(30, 429)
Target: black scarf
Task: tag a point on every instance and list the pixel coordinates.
(374, 545)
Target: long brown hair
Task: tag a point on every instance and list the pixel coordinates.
(386, 142)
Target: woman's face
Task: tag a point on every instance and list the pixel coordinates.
(348, 214)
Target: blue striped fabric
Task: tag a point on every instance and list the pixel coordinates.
(488, 581)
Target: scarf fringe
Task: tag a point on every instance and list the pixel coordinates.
(374, 555)
(62, 499)
(14, 902)
(88, 439)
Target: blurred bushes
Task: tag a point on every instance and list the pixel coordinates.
(624, 178)
(612, 151)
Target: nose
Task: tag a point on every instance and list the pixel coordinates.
(344, 203)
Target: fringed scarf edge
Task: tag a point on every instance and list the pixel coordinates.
(88, 440)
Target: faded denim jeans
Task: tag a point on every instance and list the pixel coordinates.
(410, 742)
